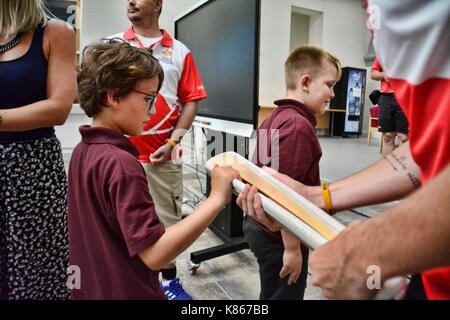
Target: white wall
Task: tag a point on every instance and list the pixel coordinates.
(101, 18)
(341, 29)
(344, 34)
(300, 25)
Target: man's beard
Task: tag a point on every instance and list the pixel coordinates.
(134, 18)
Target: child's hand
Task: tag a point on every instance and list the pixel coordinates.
(292, 265)
(221, 179)
(250, 203)
(292, 257)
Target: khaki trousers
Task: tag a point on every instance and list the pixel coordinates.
(165, 183)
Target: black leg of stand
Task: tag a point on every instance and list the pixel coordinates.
(230, 245)
(228, 223)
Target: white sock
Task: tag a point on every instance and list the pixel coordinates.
(165, 282)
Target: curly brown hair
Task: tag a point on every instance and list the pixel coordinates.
(113, 65)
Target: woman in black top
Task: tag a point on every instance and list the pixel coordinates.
(37, 84)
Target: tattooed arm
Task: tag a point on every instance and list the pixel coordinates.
(407, 239)
(392, 178)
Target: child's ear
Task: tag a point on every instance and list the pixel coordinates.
(112, 99)
(304, 83)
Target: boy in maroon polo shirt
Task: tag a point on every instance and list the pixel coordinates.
(287, 141)
(115, 237)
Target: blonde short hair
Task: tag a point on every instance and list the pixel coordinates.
(307, 60)
(21, 15)
(113, 65)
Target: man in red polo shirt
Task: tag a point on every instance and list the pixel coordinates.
(391, 117)
(176, 108)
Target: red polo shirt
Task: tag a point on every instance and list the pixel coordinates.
(287, 142)
(111, 219)
(416, 60)
(385, 86)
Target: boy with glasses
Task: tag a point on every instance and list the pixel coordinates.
(115, 236)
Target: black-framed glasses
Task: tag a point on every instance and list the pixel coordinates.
(152, 102)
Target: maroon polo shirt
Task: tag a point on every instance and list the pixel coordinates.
(299, 148)
(111, 219)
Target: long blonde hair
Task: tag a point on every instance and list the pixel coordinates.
(21, 15)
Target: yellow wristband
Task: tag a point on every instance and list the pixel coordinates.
(327, 199)
(172, 143)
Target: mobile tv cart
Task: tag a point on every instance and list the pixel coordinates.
(223, 135)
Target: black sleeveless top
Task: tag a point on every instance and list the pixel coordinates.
(23, 81)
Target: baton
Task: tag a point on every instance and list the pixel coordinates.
(310, 224)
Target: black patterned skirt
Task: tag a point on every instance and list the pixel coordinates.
(34, 251)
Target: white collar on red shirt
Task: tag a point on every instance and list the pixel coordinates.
(166, 40)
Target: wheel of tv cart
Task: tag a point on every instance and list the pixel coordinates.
(193, 267)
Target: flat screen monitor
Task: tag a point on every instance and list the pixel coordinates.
(223, 36)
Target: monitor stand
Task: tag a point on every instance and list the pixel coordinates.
(228, 223)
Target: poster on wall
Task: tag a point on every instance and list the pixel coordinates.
(64, 10)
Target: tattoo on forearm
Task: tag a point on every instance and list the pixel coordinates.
(390, 162)
(415, 182)
(402, 161)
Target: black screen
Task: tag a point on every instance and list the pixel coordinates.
(223, 36)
